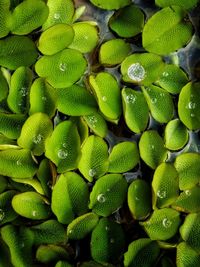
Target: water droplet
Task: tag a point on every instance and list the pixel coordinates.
(130, 99)
(23, 91)
(104, 98)
(22, 245)
(101, 198)
(191, 105)
(37, 139)
(107, 228)
(192, 115)
(62, 154)
(70, 231)
(137, 198)
(92, 120)
(188, 192)
(2, 215)
(34, 213)
(161, 194)
(56, 16)
(62, 66)
(112, 240)
(153, 100)
(44, 98)
(86, 37)
(92, 172)
(64, 145)
(152, 147)
(108, 190)
(162, 94)
(166, 223)
(165, 74)
(19, 162)
(136, 72)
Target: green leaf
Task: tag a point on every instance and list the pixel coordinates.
(36, 129)
(161, 31)
(163, 224)
(108, 194)
(94, 159)
(188, 168)
(43, 98)
(3, 86)
(107, 93)
(17, 163)
(69, 197)
(17, 51)
(142, 68)
(188, 109)
(186, 256)
(60, 11)
(172, 79)
(152, 150)
(113, 52)
(55, 39)
(80, 227)
(86, 37)
(4, 18)
(63, 264)
(111, 4)
(139, 199)
(190, 230)
(165, 185)
(141, 252)
(183, 3)
(7, 214)
(31, 205)
(63, 146)
(136, 118)
(160, 103)
(176, 135)
(62, 69)
(127, 22)
(28, 16)
(123, 157)
(81, 127)
(188, 201)
(75, 101)
(18, 97)
(107, 241)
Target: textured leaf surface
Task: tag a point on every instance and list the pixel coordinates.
(141, 252)
(62, 69)
(136, 117)
(123, 157)
(63, 146)
(108, 194)
(70, 197)
(186, 256)
(4, 17)
(182, 3)
(3, 87)
(112, 4)
(161, 31)
(94, 159)
(7, 214)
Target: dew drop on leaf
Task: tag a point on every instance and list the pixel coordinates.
(92, 172)
(166, 223)
(62, 67)
(161, 194)
(2, 215)
(62, 154)
(136, 72)
(101, 198)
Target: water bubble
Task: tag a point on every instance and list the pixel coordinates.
(112, 240)
(62, 154)
(19, 162)
(137, 198)
(101, 198)
(161, 194)
(166, 223)
(130, 99)
(92, 172)
(70, 231)
(152, 147)
(191, 105)
(37, 139)
(56, 16)
(62, 66)
(64, 145)
(107, 228)
(23, 91)
(192, 115)
(188, 192)
(34, 213)
(104, 98)
(162, 94)
(2, 215)
(165, 74)
(153, 100)
(136, 72)
(92, 120)
(44, 98)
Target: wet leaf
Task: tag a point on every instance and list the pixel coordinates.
(136, 118)
(183, 3)
(82, 226)
(152, 150)
(161, 31)
(108, 194)
(113, 52)
(75, 101)
(176, 135)
(107, 93)
(81, 127)
(86, 37)
(188, 109)
(94, 158)
(141, 252)
(4, 17)
(107, 241)
(32, 182)
(188, 168)
(142, 68)
(123, 157)
(163, 224)
(36, 129)
(17, 163)
(186, 256)
(7, 214)
(70, 197)
(139, 199)
(109, 5)
(160, 103)
(3, 87)
(45, 176)
(17, 51)
(28, 16)
(165, 185)
(63, 146)
(62, 69)
(127, 22)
